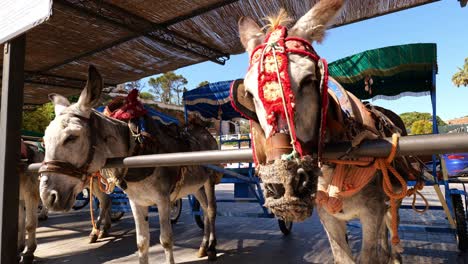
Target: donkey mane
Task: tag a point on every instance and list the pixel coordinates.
(281, 19)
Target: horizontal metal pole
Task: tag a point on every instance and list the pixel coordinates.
(417, 145)
(408, 145)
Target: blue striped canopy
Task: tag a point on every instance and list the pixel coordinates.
(156, 115)
(211, 100)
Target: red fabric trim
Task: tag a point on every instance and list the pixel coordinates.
(132, 108)
(274, 105)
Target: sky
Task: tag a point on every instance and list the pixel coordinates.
(443, 23)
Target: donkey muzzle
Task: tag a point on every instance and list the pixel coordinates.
(290, 187)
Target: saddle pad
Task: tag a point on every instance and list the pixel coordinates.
(351, 107)
(342, 95)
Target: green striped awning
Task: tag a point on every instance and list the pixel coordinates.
(395, 71)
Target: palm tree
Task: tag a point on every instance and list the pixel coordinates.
(460, 78)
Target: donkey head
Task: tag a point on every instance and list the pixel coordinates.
(282, 92)
(69, 155)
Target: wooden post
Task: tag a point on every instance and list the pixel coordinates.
(10, 126)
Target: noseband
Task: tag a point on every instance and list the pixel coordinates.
(64, 167)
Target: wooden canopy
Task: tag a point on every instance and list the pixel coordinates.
(129, 40)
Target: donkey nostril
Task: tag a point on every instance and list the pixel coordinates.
(52, 197)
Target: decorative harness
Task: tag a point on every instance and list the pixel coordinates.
(274, 89)
(274, 84)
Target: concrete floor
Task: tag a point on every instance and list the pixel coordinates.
(63, 239)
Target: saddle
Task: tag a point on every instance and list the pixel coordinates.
(147, 136)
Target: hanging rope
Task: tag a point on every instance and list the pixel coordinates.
(91, 208)
(348, 179)
(106, 190)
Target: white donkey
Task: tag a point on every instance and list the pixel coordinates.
(283, 95)
(80, 140)
(30, 199)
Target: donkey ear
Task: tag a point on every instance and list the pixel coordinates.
(313, 24)
(250, 33)
(92, 92)
(60, 103)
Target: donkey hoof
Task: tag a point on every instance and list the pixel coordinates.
(21, 249)
(27, 259)
(396, 259)
(93, 238)
(211, 255)
(202, 252)
(103, 234)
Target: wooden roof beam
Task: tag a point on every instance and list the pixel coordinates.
(142, 27)
(57, 81)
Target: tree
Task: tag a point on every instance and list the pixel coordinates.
(411, 117)
(421, 127)
(244, 127)
(460, 78)
(134, 85)
(39, 119)
(168, 87)
(146, 95)
(203, 84)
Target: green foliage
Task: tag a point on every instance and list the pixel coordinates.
(73, 98)
(168, 87)
(203, 83)
(411, 117)
(421, 127)
(244, 127)
(146, 95)
(38, 119)
(460, 78)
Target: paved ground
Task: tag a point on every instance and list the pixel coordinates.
(63, 239)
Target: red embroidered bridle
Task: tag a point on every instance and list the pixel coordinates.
(275, 87)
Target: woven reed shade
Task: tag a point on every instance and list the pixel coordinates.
(123, 38)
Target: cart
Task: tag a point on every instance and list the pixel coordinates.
(212, 103)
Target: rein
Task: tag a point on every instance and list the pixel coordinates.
(64, 167)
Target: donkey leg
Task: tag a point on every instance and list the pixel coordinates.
(336, 232)
(202, 199)
(104, 213)
(31, 204)
(371, 219)
(384, 246)
(93, 236)
(211, 212)
(166, 238)
(21, 226)
(396, 250)
(140, 214)
(44, 213)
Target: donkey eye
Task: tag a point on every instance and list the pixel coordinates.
(70, 139)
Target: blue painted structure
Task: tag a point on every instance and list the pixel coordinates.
(212, 102)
